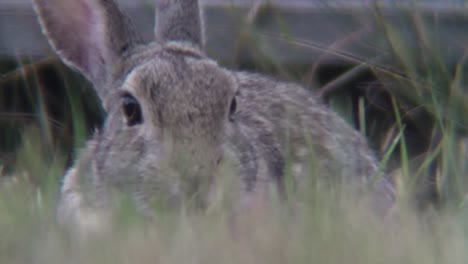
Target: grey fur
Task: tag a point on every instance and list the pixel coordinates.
(185, 99)
(179, 21)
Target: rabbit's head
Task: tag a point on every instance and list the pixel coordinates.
(168, 105)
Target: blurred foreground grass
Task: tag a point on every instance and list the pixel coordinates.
(315, 232)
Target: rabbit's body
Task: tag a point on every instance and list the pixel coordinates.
(174, 115)
(281, 128)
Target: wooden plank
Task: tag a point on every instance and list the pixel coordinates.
(298, 31)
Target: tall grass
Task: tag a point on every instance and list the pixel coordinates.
(413, 112)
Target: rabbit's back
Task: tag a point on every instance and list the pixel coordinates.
(289, 131)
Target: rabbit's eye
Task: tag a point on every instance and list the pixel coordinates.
(131, 110)
(232, 108)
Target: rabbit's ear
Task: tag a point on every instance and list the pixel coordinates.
(89, 35)
(179, 20)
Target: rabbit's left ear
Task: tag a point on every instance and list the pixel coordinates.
(179, 20)
(89, 35)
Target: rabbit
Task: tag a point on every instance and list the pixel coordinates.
(174, 116)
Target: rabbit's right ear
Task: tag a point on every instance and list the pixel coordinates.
(179, 20)
(89, 35)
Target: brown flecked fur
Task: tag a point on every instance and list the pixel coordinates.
(185, 98)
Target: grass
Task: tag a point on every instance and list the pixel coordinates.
(318, 232)
(419, 101)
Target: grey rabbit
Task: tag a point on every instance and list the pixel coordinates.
(174, 115)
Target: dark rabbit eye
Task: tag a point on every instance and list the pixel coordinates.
(131, 110)
(232, 108)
